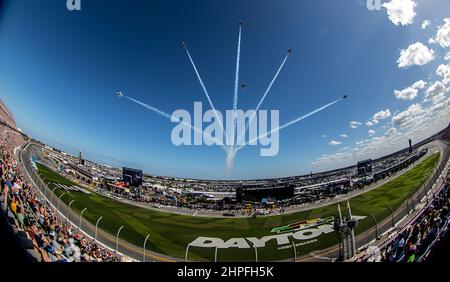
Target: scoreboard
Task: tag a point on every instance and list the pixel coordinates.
(257, 194)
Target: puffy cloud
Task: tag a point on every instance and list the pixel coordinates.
(410, 92)
(382, 114)
(371, 123)
(401, 12)
(355, 124)
(438, 107)
(391, 131)
(419, 84)
(447, 56)
(444, 72)
(344, 135)
(335, 143)
(405, 118)
(371, 132)
(406, 94)
(425, 24)
(418, 123)
(435, 93)
(379, 116)
(416, 54)
(431, 41)
(443, 34)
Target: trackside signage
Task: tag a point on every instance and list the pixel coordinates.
(306, 234)
(253, 242)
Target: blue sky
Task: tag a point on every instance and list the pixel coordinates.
(60, 69)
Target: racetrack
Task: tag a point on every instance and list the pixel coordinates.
(170, 233)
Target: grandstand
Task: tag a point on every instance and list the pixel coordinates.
(48, 234)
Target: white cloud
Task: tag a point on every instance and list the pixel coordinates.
(382, 114)
(401, 11)
(355, 124)
(447, 56)
(444, 72)
(379, 116)
(344, 135)
(324, 136)
(443, 34)
(406, 94)
(405, 118)
(417, 123)
(431, 41)
(435, 93)
(425, 24)
(371, 132)
(391, 131)
(410, 92)
(419, 84)
(335, 143)
(416, 54)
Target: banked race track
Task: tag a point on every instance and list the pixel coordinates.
(175, 237)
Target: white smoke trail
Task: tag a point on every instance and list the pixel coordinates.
(229, 161)
(159, 112)
(206, 92)
(291, 122)
(166, 115)
(263, 97)
(236, 80)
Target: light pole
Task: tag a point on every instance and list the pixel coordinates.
(376, 225)
(68, 209)
(60, 198)
(51, 196)
(143, 249)
(81, 216)
(392, 215)
(186, 255)
(256, 253)
(96, 227)
(295, 252)
(412, 200)
(117, 239)
(215, 254)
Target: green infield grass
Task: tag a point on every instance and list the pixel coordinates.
(170, 233)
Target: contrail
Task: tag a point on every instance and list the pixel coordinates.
(204, 90)
(159, 112)
(166, 115)
(236, 80)
(292, 122)
(264, 96)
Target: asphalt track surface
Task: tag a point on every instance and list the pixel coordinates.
(136, 253)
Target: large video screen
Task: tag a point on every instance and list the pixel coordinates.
(132, 176)
(246, 194)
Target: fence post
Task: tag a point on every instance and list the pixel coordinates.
(392, 215)
(376, 225)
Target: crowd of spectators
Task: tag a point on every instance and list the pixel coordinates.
(173, 193)
(44, 236)
(415, 242)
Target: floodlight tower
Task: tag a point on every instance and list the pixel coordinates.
(345, 229)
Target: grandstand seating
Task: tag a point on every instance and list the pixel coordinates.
(415, 241)
(42, 235)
